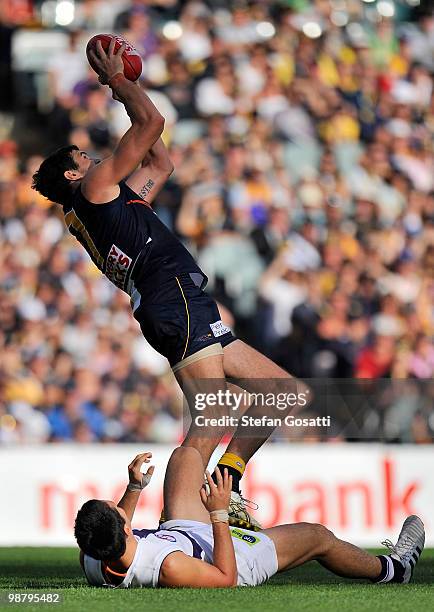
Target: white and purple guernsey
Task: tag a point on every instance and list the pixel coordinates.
(255, 554)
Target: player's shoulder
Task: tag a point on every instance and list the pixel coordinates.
(98, 186)
(88, 196)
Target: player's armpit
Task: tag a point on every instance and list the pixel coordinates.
(155, 169)
(180, 570)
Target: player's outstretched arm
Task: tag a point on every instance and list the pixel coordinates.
(137, 482)
(101, 182)
(148, 180)
(179, 570)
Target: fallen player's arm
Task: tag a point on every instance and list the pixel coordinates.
(137, 482)
(224, 553)
(101, 182)
(128, 502)
(179, 570)
(148, 180)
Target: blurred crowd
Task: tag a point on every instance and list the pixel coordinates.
(304, 186)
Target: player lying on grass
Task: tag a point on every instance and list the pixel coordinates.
(107, 207)
(196, 547)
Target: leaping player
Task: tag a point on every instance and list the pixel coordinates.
(195, 547)
(107, 207)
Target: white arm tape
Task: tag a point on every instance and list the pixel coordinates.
(146, 479)
(219, 516)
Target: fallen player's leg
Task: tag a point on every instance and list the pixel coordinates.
(182, 484)
(296, 544)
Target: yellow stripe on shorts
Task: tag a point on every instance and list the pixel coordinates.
(188, 318)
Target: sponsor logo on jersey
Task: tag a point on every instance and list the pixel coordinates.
(204, 338)
(117, 266)
(166, 536)
(219, 329)
(248, 538)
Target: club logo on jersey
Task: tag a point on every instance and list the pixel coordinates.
(219, 328)
(166, 536)
(118, 264)
(249, 539)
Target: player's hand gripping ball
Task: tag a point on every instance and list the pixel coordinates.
(132, 62)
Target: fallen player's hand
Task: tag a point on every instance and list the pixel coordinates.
(138, 480)
(108, 63)
(219, 494)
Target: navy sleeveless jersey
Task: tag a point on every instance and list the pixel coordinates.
(126, 239)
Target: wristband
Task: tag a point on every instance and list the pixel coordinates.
(133, 486)
(219, 516)
(115, 76)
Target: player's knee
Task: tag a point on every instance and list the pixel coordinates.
(185, 460)
(186, 454)
(324, 538)
(292, 387)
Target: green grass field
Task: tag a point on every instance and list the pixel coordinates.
(305, 588)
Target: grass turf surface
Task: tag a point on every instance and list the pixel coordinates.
(306, 588)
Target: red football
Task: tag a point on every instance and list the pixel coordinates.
(131, 58)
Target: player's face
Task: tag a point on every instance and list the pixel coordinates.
(121, 511)
(83, 161)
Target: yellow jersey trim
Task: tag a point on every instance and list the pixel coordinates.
(73, 221)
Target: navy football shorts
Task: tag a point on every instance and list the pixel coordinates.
(178, 318)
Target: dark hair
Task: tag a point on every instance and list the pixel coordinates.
(50, 178)
(99, 531)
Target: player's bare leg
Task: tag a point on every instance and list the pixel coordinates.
(239, 361)
(191, 379)
(296, 544)
(302, 542)
(183, 481)
(258, 374)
